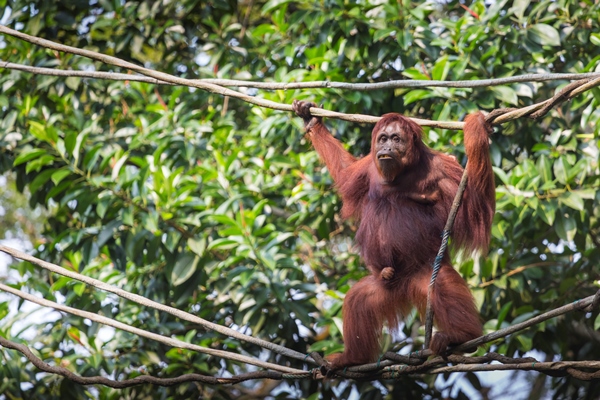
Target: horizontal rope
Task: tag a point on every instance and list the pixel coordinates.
(143, 333)
(223, 91)
(394, 84)
(136, 298)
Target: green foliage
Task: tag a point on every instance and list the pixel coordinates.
(222, 209)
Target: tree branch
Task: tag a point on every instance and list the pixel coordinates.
(209, 87)
(161, 307)
(384, 369)
(143, 379)
(319, 112)
(418, 356)
(396, 84)
(581, 304)
(516, 271)
(149, 335)
(555, 368)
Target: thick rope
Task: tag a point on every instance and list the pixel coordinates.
(440, 256)
(437, 264)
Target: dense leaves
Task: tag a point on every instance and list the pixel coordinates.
(222, 209)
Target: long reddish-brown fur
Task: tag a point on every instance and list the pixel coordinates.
(400, 227)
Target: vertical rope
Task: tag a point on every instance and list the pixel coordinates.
(437, 264)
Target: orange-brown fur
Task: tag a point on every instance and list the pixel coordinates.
(400, 224)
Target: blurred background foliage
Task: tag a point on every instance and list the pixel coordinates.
(222, 209)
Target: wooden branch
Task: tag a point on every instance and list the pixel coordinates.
(537, 110)
(68, 73)
(319, 112)
(209, 87)
(161, 307)
(144, 379)
(576, 305)
(577, 369)
(399, 84)
(382, 369)
(554, 368)
(579, 305)
(515, 271)
(149, 335)
(395, 84)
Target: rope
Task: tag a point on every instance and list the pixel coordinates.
(437, 264)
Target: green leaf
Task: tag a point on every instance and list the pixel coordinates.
(404, 38)
(39, 131)
(440, 69)
(561, 169)
(60, 174)
(595, 38)
(102, 206)
(185, 266)
(519, 7)
(544, 34)
(547, 211)
(501, 174)
(350, 51)
(281, 237)
(505, 94)
(91, 157)
(501, 282)
(28, 154)
(415, 74)
(224, 219)
(597, 323)
(118, 165)
(544, 168)
(172, 240)
(416, 95)
(565, 226)
(417, 12)
(38, 163)
(223, 244)
(72, 82)
(503, 313)
(127, 215)
(70, 138)
(262, 30)
(60, 283)
(4, 310)
(588, 194)
(572, 199)
(79, 288)
(56, 190)
(272, 5)
(107, 232)
(525, 341)
(198, 246)
(76, 150)
(383, 33)
(150, 221)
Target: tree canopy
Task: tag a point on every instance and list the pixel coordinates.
(221, 208)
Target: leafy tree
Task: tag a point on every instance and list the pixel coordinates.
(222, 209)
